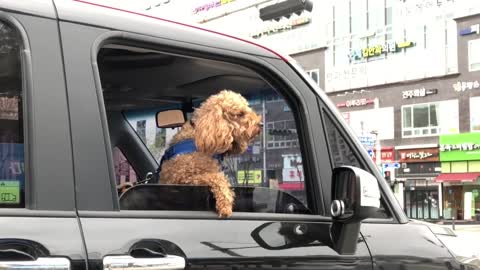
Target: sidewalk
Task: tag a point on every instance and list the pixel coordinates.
(468, 240)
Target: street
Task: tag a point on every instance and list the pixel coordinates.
(467, 242)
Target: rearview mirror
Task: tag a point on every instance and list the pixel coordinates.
(170, 119)
(355, 197)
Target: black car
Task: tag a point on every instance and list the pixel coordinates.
(83, 92)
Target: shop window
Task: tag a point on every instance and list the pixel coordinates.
(474, 55)
(12, 168)
(420, 120)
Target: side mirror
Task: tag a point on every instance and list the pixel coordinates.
(355, 197)
(170, 119)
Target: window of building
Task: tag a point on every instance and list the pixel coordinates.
(267, 177)
(12, 169)
(376, 15)
(475, 114)
(474, 55)
(281, 134)
(315, 74)
(420, 120)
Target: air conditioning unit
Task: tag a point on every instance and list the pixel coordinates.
(285, 9)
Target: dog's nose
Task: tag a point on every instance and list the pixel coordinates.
(260, 124)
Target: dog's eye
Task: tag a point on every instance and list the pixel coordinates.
(240, 114)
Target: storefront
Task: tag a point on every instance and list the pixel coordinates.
(419, 168)
(460, 161)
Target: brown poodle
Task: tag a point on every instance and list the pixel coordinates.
(224, 124)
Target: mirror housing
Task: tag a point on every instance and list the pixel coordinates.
(170, 119)
(355, 197)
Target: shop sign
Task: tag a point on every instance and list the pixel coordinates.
(473, 29)
(420, 92)
(418, 155)
(292, 174)
(387, 155)
(356, 103)
(464, 86)
(347, 73)
(250, 177)
(373, 51)
(9, 108)
(460, 147)
(282, 27)
(211, 5)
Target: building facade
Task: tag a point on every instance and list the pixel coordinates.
(419, 63)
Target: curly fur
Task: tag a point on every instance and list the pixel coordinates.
(224, 124)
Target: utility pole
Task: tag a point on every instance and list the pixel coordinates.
(378, 149)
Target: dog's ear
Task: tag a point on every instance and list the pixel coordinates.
(213, 134)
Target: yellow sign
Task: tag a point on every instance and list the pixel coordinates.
(249, 177)
(378, 50)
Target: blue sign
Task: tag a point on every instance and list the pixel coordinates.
(370, 152)
(474, 29)
(391, 165)
(367, 140)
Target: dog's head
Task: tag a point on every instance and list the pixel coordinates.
(225, 123)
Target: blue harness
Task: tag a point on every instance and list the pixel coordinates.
(185, 147)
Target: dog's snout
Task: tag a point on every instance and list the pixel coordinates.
(260, 124)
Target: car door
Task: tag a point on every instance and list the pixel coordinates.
(172, 239)
(39, 227)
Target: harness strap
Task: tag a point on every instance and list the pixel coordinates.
(185, 147)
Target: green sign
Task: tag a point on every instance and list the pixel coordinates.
(251, 177)
(460, 147)
(9, 192)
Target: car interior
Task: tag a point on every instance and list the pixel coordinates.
(141, 79)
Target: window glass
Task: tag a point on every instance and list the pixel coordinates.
(343, 154)
(12, 169)
(420, 116)
(407, 117)
(267, 177)
(474, 55)
(315, 74)
(475, 114)
(421, 120)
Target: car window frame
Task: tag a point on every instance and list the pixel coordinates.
(264, 69)
(25, 95)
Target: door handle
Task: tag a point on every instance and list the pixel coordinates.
(42, 263)
(127, 262)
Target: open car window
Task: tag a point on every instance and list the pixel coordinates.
(269, 175)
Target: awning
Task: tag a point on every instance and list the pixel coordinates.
(457, 177)
(291, 186)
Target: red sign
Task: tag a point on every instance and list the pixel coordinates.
(387, 155)
(356, 103)
(346, 116)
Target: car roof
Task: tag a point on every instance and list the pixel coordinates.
(85, 12)
(43, 8)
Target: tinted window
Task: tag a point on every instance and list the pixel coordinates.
(12, 174)
(343, 154)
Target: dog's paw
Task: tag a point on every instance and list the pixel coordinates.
(225, 212)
